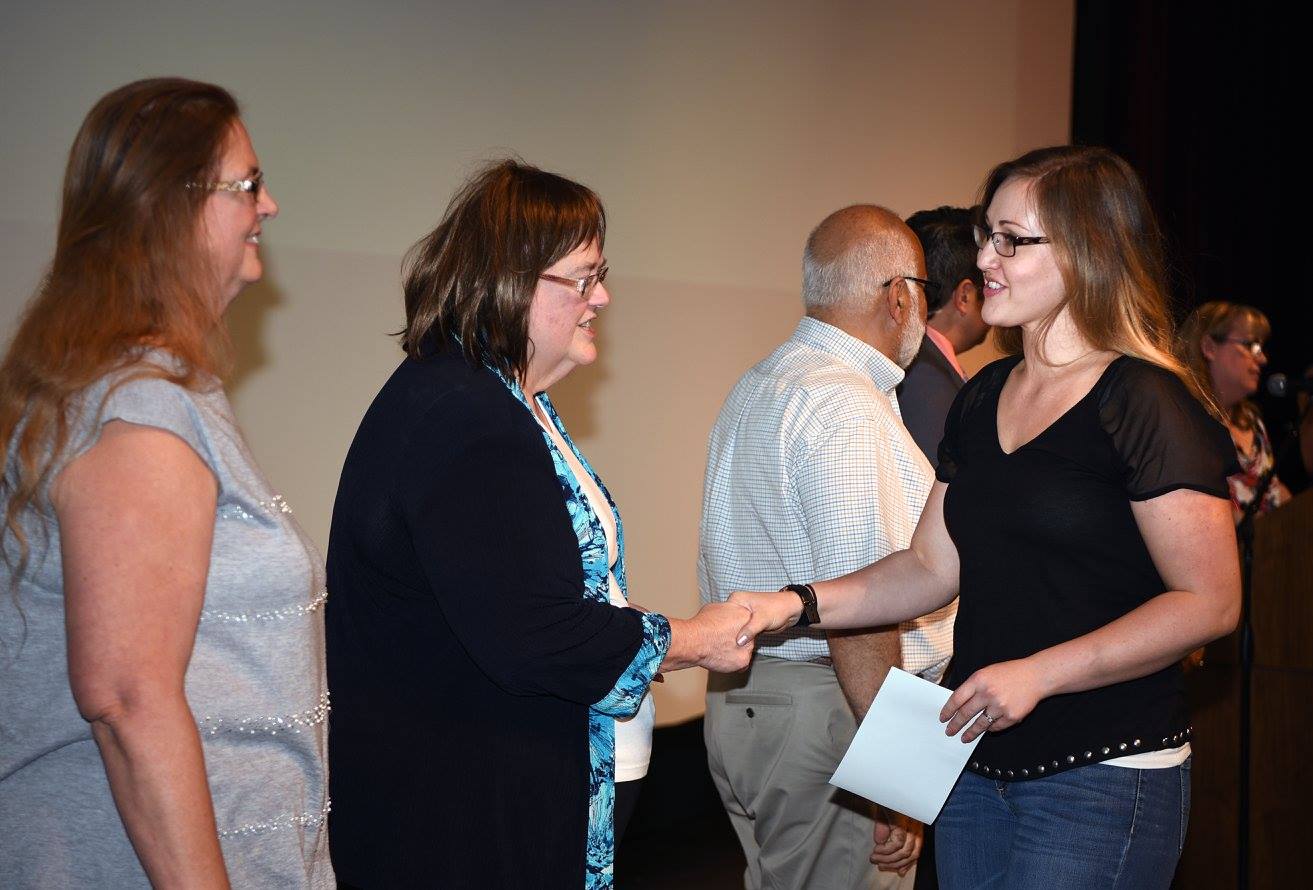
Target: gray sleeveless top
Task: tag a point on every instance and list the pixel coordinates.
(256, 681)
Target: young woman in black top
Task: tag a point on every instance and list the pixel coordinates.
(1081, 512)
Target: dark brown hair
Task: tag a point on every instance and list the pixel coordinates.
(1108, 248)
(129, 270)
(474, 276)
(949, 243)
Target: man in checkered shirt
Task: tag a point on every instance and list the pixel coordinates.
(811, 475)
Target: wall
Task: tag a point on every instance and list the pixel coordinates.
(717, 134)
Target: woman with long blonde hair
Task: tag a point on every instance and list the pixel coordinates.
(162, 695)
(1081, 513)
(1223, 345)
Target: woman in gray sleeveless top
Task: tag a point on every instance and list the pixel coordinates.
(162, 696)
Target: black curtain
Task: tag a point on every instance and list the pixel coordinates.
(1206, 102)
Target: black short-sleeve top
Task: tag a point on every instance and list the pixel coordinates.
(1049, 550)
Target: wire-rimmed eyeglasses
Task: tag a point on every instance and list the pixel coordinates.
(251, 185)
(931, 288)
(1253, 347)
(584, 286)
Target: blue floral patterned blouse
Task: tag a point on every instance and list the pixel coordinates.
(624, 698)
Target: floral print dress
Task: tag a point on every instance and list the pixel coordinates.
(1253, 465)
(627, 694)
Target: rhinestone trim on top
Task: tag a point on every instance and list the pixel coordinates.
(268, 725)
(269, 614)
(305, 820)
(275, 504)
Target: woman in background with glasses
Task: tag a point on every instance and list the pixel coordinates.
(1081, 511)
(1223, 345)
(491, 714)
(162, 695)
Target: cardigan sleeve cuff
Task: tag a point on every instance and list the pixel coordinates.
(627, 693)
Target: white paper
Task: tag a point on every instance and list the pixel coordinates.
(901, 757)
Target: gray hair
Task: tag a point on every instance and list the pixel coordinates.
(851, 254)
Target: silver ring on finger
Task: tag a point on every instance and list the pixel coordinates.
(989, 721)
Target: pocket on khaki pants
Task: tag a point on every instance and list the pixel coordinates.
(752, 731)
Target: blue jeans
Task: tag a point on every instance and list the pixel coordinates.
(1093, 827)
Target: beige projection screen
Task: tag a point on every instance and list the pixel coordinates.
(717, 134)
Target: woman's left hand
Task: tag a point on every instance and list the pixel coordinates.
(997, 696)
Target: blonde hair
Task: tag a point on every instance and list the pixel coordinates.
(1216, 319)
(1108, 249)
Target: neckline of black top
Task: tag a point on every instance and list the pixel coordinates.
(998, 396)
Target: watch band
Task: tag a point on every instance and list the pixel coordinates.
(811, 614)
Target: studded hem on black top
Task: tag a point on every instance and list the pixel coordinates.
(1072, 759)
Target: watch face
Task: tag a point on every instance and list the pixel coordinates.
(809, 607)
(810, 614)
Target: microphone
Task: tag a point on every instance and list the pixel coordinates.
(1280, 385)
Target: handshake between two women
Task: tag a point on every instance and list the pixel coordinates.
(720, 637)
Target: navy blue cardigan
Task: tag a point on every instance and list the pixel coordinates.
(462, 659)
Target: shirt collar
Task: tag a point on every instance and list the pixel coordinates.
(946, 347)
(848, 349)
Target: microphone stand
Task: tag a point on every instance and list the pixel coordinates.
(1245, 534)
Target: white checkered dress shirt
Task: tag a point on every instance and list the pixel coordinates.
(811, 475)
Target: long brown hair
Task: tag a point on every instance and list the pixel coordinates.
(1108, 248)
(129, 271)
(1215, 319)
(474, 276)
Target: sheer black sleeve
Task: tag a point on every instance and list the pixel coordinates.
(972, 416)
(949, 448)
(1163, 436)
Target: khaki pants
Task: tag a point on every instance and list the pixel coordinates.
(774, 738)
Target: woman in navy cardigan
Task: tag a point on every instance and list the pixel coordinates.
(479, 650)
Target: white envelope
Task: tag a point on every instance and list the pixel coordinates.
(900, 757)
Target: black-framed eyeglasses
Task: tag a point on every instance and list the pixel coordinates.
(1253, 347)
(931, 288)
(251, 185)
(1005, 243)
(584, 285)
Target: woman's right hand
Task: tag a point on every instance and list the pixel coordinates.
(768, 610)
(728, 647)
(713, 638)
